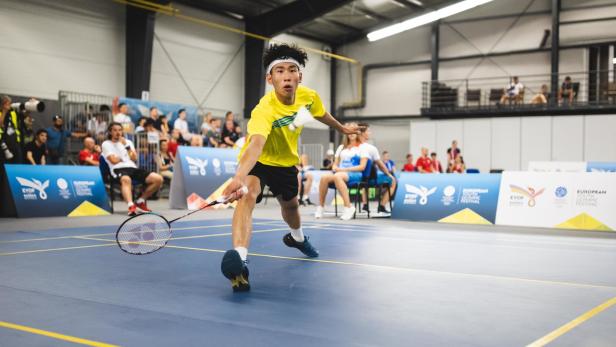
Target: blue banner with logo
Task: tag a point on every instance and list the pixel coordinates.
(140, 108)
(600, 166)
(448, 198)
(56, 190)
(200, 171)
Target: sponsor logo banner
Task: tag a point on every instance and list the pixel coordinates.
(558, 199)
(54, 190)
(598, 166)
(200, 170)
(432, 197)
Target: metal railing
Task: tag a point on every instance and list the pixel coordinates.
(315, 153)
(148, 151)
(590, 89)
(85, 113)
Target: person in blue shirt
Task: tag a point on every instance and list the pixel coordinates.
(56, 140)
(390, 164)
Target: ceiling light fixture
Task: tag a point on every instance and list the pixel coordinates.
(425, 19)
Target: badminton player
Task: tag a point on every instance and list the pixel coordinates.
(269, 157)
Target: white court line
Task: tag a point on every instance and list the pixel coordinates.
(107, 234)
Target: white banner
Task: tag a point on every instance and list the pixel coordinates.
(557, 166)
(585, 200)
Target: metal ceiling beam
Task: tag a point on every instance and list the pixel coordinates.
(408, 4)
(285, 17)
(339, 24)
(372, 14)
(204, 6)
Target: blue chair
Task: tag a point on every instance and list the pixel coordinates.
(372, 182)
(365, 176)
(472, 171)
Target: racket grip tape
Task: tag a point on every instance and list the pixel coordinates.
(242, 191)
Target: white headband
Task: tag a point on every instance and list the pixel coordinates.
(278, 61)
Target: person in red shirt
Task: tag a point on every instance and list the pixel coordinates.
(409, 167)
(89, 155)
(436, 164)
(424, 163)
(173, 143)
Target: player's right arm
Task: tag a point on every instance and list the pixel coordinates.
(246, 163)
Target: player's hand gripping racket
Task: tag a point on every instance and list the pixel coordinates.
(147, 233)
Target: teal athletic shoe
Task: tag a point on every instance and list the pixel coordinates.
(304, 247)
(235, 269)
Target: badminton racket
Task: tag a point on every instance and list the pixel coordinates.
(303, 117)
(148, 232)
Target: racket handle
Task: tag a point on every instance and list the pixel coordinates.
(224, 199)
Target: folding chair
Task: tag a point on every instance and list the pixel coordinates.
(111, 181)
(365, 175)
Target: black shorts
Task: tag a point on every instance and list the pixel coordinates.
(280, 180)
(138, 175)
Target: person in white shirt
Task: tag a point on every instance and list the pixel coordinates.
(205, 125)
(383, 176)
(182, 125)
(512, 93)
(120, 155)
(349, 162)
(122, 117)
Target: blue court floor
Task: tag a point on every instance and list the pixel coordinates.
(374, 285)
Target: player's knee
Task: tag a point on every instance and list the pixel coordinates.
(253, 194)
(291, 205)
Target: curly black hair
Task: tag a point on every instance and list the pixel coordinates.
(282, 51)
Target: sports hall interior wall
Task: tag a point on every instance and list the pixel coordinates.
(43, 54)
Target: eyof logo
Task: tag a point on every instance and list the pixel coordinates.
(530, 192)
(196, 166)
(413, 192)
(35, 185)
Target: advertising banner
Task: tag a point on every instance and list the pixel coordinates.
(199, 172)
(558, 200)
(141, 108)
(450, 198)
(601, 166)
(57, 190)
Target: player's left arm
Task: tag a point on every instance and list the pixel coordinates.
(332, 122)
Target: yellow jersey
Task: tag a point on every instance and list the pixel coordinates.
(270, 118)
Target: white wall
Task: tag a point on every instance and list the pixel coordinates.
(210, 60)
(510, 143)
(75, 45)
(395, 91)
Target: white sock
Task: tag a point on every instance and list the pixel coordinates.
(130, 204)
(140, 201)
(243, 251)
(305, 197)
(298, 234)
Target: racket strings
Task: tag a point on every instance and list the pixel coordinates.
(144, 234)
